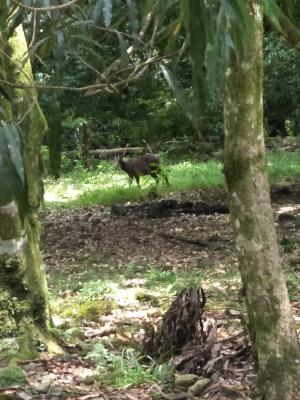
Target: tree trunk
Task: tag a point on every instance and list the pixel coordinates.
(54, 136)
(24, 313)
(271, 324)
(84, 144)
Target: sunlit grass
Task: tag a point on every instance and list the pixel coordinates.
(108, 185)
(284, 166)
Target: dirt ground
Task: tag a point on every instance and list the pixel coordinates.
(76, 240)
(92, 235)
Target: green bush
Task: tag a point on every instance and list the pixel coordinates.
(10, 376)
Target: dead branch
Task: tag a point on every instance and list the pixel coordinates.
(44, 9)
(184, 239)
(119, 150)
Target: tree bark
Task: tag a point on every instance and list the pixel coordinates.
(271, 324)
(24, 312)
(54, 136)
(84, 144)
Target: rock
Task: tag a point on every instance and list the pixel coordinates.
(176, 396)
(55, 391)
(58, 322)
(23, 396)
(77, 333)
(286, 217)
(198, 386)
(185, 380)
(206, 263)
(297, 221)
(233, 313)
(231, 391)
(44, 385)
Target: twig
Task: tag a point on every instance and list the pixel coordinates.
(184, 239)
(33, 30)
(44, 9)
(130, 397)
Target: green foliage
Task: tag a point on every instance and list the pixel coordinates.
(283, 166)
(293, 285)
(157, 277)
(97, 290)
(179, 93)
(129, 368)
(11, 376)
(281, 82)
(92, 310)
(172, 282)
(287, 244)
(12, 175)
(108, 185)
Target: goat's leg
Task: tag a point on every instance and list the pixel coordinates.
(137, 178)
(166, 179)
(155, 176)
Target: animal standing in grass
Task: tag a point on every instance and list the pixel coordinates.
(148, 164)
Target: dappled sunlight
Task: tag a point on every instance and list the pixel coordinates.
(107, 185)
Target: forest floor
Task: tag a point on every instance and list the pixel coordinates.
(139, 265)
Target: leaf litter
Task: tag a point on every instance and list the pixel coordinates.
(90, 243)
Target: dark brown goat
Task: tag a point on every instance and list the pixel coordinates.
(147, 164)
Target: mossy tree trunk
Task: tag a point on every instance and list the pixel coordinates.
(271, 323)
(24, 313)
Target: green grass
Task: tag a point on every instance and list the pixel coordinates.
(128, 368)
(108, 185)
(283, 166)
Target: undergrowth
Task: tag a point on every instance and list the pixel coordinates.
(108, 185)
(127, 368)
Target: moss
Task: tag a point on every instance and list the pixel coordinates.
(281, 375)
(11, 376)
(10, 227)
(77, 333)
(147, 297)
(8, 324)
(93, 309)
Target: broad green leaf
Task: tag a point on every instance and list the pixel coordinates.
(241, 25)
(271, 11)
(107, 12)
(88, 40)
(36, 45)
(162, 8)
(133, 16)
(97, 13)
(198, 44)
(124, 55)
(179, 93)
(59, 50)
(217, 56)
(15, 21)
(237, 11)
(12, 175)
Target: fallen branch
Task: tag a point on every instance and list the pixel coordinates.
(184, 239)
(119, 150)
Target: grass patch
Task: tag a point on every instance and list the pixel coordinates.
(128, 368)
(108, 185)
(11, 376)
(283, 166)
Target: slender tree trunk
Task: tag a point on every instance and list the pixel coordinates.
(271, 323)
(85, 144)
(24, 313)
(54, 136)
